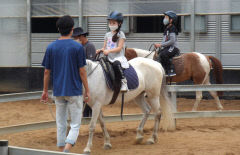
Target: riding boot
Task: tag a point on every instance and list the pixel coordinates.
(124, 87)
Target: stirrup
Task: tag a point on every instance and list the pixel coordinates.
(124, 87)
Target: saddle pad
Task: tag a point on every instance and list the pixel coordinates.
(178, 63)
(131, 76)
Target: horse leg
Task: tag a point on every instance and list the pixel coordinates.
(107, 144)
(140, 100)
(95, 113)
(215, 96)
(198, 99)
(154, 102)
(198, 80)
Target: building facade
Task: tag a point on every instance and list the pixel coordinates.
(210, 27)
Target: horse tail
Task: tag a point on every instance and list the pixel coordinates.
(217, 68)
(167, 121)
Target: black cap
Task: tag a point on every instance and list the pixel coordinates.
(78, 31)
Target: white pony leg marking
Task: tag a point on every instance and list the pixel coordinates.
(140, 100)
(107, 144)
(154, 102)
(95, 113)
(215, 96)
(198, 99)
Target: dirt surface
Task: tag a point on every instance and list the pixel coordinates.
(208, 136)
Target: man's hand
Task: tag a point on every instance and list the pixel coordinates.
(86, 97)
(44, 97)
(157, 45)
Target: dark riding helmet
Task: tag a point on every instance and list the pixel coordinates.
(171, 14)
(116, 16)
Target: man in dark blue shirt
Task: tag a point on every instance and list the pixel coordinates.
(65, 60)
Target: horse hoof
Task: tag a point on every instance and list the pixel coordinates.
(139, 140)
(87, 150)
(150, 141)
(107, 146)
(220, 108)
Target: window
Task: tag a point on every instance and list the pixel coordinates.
(235, 23)
(152, 24)
(200, 24)
(46, 25)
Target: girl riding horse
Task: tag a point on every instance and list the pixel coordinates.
(114, 47)
(168, 47)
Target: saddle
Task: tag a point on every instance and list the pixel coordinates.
(113, 82)
(178, 63)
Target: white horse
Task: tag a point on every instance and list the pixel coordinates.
(150, 74)
(196, 68)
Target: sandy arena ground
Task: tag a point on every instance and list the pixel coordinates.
(208, 136)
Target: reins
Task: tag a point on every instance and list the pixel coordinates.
(93, 70)
(151, 51)
(96, 58)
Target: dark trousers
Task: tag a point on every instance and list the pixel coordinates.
(119, 74)
(165, 57)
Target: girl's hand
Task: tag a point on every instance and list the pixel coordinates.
(157, 45)
(99, 50)
(106, 52)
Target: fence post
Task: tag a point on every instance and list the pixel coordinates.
(193, 26)
(174, 100)
(3, 147)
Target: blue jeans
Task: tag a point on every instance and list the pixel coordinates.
(75, 105)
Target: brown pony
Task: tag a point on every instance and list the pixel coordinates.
(189, 66)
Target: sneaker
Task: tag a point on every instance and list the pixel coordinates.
(124, 87)
(171, 73)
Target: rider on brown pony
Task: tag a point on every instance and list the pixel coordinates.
(168, 47)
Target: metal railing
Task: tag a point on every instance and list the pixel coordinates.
(117, 118)
(173, 89)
